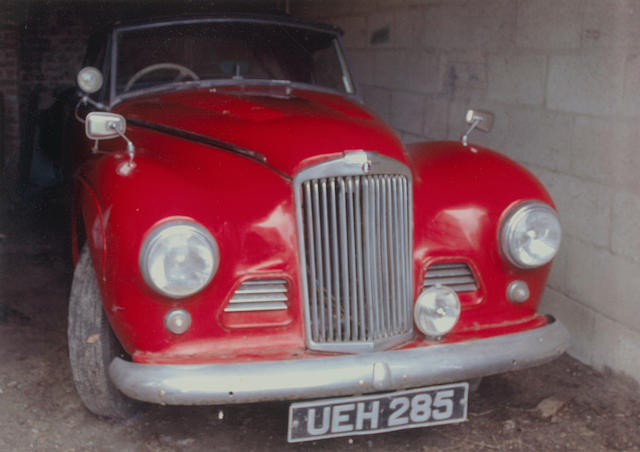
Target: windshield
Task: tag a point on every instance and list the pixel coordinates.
(233, 51)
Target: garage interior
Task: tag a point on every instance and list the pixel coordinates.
(561, 76)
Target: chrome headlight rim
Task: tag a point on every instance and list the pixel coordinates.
(163, 230)
(516, 214)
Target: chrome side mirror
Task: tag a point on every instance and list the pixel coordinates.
(99, 125)
(89, 80)
(477, 119)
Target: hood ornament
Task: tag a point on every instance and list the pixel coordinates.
(360, 158)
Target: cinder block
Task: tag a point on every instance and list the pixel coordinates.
(625, 237)
(607, 283)
(406, 22)
(603, 149)
(380, 27)
(407, 111)
(408, 138)
(385, 68)
(579, 320)
(558, 276)
(355, 31)
(539, 137)
(590, 83)
(408, 70)
(363, 64)
(631, 103)
(419, 71)
(461, 25)
(549, 24)
(379, 100)
(584, 208)
(616, 347)
(517, 79)
(611, 23)
(436, 114)
(464, 75)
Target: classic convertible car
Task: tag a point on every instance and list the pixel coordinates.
(246, 230)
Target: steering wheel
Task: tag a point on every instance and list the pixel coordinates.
(182, 72)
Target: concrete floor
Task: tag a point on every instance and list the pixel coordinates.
(39, 409)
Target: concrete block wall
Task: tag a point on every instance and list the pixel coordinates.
(563, 78)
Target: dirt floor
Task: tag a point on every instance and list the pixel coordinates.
(560, 406)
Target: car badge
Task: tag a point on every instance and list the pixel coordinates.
(360, 158)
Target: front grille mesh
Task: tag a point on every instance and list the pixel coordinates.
(357, 244)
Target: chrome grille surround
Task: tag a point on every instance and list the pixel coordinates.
(456, 275)
(355, 228)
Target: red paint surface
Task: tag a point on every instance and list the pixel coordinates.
(460, 197)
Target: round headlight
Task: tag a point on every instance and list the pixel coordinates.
(530, 236)
(179, 258)
(437, 311)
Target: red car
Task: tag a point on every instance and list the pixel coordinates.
(248, 231)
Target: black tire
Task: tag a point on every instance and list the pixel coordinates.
(92, 346)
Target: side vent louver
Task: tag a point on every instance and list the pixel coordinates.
(456, 275)
(260, 295)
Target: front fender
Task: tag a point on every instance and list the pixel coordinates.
(461, 195)
(253, 224)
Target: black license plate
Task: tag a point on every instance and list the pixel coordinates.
(378, 413)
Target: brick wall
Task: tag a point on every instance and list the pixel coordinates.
(563, 78)
(9, 56)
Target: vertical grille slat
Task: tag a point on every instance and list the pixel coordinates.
(318, 284)
(356, 248)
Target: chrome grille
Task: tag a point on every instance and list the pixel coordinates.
(259, 295)
(356, 242)
(456, 275)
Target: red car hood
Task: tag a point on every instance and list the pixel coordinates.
(291, 129)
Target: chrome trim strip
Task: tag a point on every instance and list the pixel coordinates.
(206, 384)
(255, 307)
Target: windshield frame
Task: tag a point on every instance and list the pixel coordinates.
(344, 63)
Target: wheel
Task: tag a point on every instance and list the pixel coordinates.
(92, 346)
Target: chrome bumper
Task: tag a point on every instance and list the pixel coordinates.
(209, 384)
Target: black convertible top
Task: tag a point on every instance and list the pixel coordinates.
(190, 18)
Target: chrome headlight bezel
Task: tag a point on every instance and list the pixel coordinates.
(165, 232)
(508, 230)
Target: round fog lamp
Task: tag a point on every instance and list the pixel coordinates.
(177, 321)
(437, 311)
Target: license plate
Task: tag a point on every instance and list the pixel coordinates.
(362, 415)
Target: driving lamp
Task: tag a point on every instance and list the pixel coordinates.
(530, 235)
(437, 311)
(179, 258)
(89, 80)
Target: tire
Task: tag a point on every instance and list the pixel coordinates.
(92, 346)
